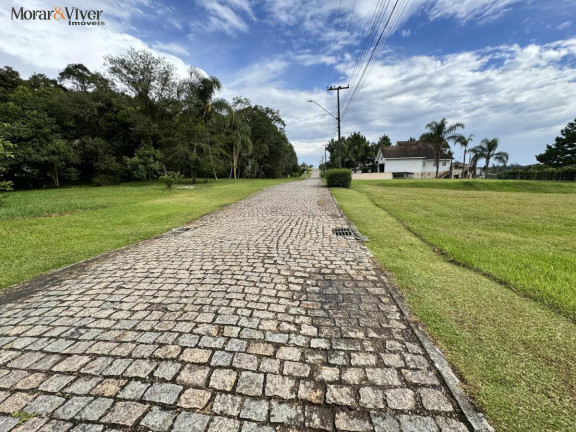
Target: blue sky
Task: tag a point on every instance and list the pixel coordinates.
(505, 68)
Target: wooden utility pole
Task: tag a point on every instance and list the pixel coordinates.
(338, 119)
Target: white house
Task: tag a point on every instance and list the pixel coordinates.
(412, 159)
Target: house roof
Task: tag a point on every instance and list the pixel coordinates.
(413, 149)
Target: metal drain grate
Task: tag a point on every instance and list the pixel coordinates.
(343, 232)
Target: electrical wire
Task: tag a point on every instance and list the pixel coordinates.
(356, 87)
(359, 79)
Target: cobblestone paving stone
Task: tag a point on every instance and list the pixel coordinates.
(255, 319)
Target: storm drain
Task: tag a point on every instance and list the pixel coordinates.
(343, 232)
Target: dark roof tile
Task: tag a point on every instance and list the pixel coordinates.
(413, 149)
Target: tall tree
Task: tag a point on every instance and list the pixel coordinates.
(384, 141)
(204, 89)
(464, 142)
(80, 78)
(473, 164)
(563, 152)
(149, 79)
(439, 133)
(239, 134)
(487, 151)
(9, 80)
(5, 154)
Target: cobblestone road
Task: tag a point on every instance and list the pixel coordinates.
(256, 319)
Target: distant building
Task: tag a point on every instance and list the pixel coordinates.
(413, 159)
(458, 169)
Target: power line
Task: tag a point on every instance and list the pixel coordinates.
(363, 74)
(386, 32)
(369, 37)
(348, 30)
(390, 33)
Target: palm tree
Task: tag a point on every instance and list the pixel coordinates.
(487, 151)
(474, 157)
(464, 142)
(204, 88)
(239, 130)
(439, 133)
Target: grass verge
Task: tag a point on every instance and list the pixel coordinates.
(515, 355)
(46, 229)
(526, 240)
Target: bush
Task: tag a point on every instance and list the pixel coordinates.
(170, 178)
(567, 173)
(105, 180)
(339, 178)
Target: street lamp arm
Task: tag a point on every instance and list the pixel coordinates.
(335, 118)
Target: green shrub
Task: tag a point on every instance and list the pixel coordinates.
(170, 178)
(339, 178)
(105, 180)
(568, 173)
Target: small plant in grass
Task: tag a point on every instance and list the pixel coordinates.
(171, 178)
(339, 178)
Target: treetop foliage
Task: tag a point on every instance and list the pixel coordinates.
(563, 151)
(137, 120)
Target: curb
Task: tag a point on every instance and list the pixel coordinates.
(476, 419)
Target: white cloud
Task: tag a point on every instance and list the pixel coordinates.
(522, 95)
(226, 16)
(564, 25)
(469, 10)
(260, 73)
(171, 47)
(48, 46)
(309, 58)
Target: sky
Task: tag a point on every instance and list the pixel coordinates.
(504, 68)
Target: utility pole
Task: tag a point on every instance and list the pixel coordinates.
(338, 119)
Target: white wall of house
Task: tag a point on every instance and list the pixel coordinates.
(403, 165)
(372, 176)
(429, 165)
(422, 168)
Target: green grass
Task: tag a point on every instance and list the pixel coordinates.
(515, 355)
(526, 240)
(527, 186)
(45, 229)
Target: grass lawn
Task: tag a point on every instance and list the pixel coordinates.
(45, 229)
(515, 354)
(526, 240)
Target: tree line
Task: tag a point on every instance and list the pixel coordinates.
(356, 151)
(360, 155)
(558, 161)
(137, 120)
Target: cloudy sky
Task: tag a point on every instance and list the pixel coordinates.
(505, 68)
